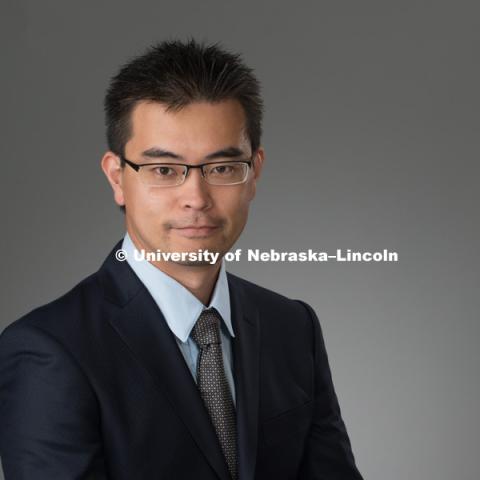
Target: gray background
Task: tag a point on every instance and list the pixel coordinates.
(377, 102)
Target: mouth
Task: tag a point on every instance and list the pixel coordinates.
(197, 231)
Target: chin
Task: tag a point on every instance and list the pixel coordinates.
(195, 264)
(197, 243)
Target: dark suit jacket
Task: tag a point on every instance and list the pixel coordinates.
(94, 386)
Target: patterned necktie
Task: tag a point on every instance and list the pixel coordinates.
(213, 386)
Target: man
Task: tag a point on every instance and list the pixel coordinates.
(173, 368)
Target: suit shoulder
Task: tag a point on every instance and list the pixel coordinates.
(270, 299)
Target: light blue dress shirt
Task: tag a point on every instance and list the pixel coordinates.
(181, 309)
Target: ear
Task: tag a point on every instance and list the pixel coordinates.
(258, 160)
(114, 172)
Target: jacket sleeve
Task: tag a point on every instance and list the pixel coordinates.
(328, 454)
(49, 416)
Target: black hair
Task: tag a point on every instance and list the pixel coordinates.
(176, 74)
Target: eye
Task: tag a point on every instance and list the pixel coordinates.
(164, 171)
(222, 169)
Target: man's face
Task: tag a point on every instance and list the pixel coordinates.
(158, 217)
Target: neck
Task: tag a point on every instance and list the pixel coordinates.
(199, 280)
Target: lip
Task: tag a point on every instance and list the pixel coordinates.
(197, 231)
(197, 226)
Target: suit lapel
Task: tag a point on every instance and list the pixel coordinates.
(141, 325)
(246, 354)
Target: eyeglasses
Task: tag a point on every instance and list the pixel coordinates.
(173, 174)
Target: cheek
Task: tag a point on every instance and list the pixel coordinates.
(142, 205)
(235, 207)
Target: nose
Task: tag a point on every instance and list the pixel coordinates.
(195, 192)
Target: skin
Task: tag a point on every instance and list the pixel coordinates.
(156, 217)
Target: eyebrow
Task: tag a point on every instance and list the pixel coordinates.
(229, 152)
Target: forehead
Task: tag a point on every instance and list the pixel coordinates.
(196, 129)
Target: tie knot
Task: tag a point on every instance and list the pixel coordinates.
(207, 328)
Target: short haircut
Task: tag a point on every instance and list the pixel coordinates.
(176, 74)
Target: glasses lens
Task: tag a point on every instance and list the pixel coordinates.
(162, 175)
(228, 173)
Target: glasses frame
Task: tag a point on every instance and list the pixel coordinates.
(137, 166)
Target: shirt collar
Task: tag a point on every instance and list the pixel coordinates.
(179, 306)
